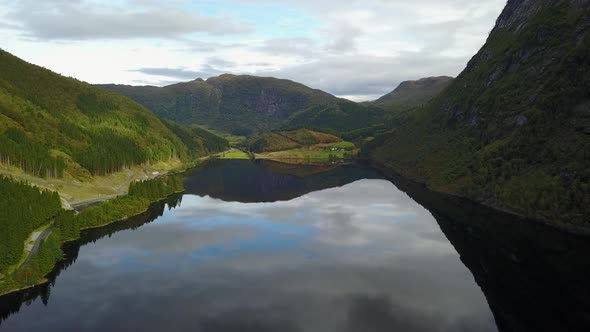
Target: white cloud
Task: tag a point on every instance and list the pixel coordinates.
(82, 20)
(359, 49)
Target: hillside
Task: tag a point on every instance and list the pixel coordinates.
(285, 140)
(411, 94)
(513, 130)
(51, 125)
(300, 146)
(245, 105)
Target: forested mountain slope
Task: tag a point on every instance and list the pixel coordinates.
(50, 124)
(513, 130)
(244, 105)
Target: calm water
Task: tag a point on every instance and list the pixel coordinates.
(270, 247)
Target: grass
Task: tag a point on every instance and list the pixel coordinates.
(320, 148)
(73, 189)
(234, 154)
(315, 154)
(343, 145)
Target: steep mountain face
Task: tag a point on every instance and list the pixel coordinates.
(411, 94)
(513, 130)
(50, 124)
(247, 104)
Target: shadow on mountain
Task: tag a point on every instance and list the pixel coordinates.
(267, 181)
(534, 277)
(12, 303)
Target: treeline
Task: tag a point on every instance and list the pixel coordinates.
(24, 209)
(109, 152)
(158, 188)
(49, 122)
(40, 265)
(141, 195)
(16, 149)
(198, 141)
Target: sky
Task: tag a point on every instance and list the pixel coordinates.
(356, 49)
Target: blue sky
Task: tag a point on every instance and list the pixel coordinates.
(355, 49)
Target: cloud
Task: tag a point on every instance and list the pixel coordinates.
(301, 47)
(81, 20)
(181, 74)
(365, 49)
(359, 49)
(10, 26)
(366, 75)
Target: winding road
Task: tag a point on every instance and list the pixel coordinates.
(34, 250)
(78, 206)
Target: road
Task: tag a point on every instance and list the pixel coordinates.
(81, 205)
(78, 206)
(121, 190)
(34, 250)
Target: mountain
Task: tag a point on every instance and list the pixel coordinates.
(51, 125)
(411, 94)
(513, 130)
(244, 105)
(267, 181)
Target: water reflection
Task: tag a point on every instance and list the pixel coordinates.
(363, 257)
(534, 278)
(268, 181)
(11, 304)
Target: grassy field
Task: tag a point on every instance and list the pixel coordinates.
(234, 154)
(343, 145)
(321, 153)
(75, 189)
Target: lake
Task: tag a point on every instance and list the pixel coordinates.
(263, 246)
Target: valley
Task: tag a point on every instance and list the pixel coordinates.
(237, 202)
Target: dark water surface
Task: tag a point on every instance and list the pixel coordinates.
(270, 247)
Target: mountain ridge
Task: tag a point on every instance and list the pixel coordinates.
(246, 104)
(414, 93)
(513, 130)
(51, 124)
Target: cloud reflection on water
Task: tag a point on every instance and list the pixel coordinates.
(363, 257)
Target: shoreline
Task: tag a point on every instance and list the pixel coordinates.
(558, 226)
(81, 205)
(44, 280)
(388, 172)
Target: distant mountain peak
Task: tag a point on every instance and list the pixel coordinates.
(414, 93)
(246, 104)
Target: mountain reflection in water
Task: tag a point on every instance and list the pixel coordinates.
(363, 257)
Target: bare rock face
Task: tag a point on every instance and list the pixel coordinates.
(515, 15)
